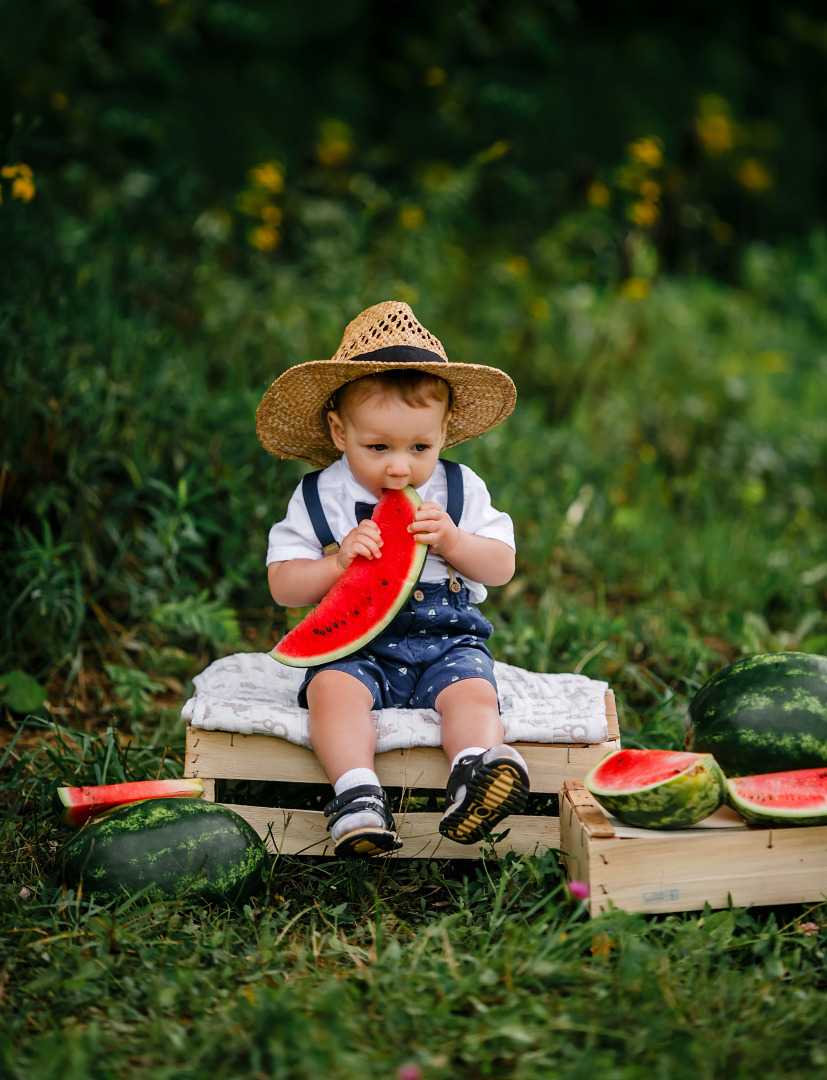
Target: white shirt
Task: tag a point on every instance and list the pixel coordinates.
(294, 537)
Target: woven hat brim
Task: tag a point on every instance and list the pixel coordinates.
(289, 422)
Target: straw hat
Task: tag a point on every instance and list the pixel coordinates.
(289, 420)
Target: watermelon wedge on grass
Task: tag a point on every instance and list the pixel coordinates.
(367, 595)
(657, 789)
(76, 805)
(795, 797)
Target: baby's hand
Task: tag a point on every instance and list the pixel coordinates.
(433, 526)
(365, 539)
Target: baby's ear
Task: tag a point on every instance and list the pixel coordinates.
(445, 422)
(337, 431)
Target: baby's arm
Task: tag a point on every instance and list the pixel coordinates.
(481, 558)
(300, 582)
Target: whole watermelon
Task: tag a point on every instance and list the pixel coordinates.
(172, 847)
(763, 714)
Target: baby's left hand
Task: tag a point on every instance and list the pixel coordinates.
(433, 526)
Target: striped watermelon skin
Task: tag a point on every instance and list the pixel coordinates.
(173, 848)
(657, 789)
(766, 713)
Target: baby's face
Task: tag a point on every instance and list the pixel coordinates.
(389, 444)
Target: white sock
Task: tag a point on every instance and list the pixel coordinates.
(469, 751)
(357, 819)
(355, 778)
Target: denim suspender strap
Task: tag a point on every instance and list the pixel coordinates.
(310, 493)
(455, 502)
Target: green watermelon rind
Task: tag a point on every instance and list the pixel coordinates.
(173, 848)
(419, 553)
(768, 815)
(675, 803)
(764, 713)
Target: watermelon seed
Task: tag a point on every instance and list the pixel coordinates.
(384, 582)
(329, 630)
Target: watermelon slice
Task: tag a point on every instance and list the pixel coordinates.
(77, 804)
(657, 789)
(798, 797)
(367, 595)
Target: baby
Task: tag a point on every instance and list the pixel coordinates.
(377, 416)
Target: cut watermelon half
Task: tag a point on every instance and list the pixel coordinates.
(797, 797)
(367, 595)
(76, 805)
(657, 789)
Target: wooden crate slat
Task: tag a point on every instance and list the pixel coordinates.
(683, 870)
(227, 756)
(294, 832)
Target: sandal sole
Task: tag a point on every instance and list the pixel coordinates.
(498, 788)
(366, 843)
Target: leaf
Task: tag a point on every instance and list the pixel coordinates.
(21, 692)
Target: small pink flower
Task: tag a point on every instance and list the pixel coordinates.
(579, 890)
(409, 1072)
(809, 928)
(25, 893)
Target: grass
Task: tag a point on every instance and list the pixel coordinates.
(340, 970)
(664, 469)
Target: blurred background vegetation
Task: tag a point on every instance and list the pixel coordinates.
(621, 205)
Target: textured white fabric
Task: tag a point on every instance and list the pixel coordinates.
(293, 538)
(251, 694)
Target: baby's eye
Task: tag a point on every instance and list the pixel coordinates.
(379, 447)
(420, 447)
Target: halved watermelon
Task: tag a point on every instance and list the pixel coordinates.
(657, 789)
(367, 595)
(77, 804)
(797, 797)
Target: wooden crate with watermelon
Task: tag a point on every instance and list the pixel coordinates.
(740, 817)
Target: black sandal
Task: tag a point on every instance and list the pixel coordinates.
(482, 791)
(366, 840)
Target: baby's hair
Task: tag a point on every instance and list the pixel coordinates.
(414, 388)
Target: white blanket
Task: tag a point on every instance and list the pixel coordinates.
(253, 694)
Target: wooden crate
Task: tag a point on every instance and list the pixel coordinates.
(220, 755)
(717, 860)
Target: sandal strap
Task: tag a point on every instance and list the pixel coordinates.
(369, 797)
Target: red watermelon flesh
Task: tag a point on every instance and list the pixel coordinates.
(657, 789)
(77, 805)
(796, 797)
(367, 595)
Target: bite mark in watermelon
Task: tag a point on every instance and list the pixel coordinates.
(76, 805)
(763, 714)
(795, 797)
(367, 595)
(657, 789)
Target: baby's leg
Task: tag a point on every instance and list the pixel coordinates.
(488, 780)
(343, 737)
(342, 732)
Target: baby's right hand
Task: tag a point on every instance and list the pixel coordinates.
(365, 539)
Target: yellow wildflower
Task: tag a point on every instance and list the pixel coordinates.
(648, 151)
(753, 176)
(598, 194)
(644, 213)
(635, 288)
(269, 175)
(411, 217)
(23, 188)
(517, 265)
(265, 238)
